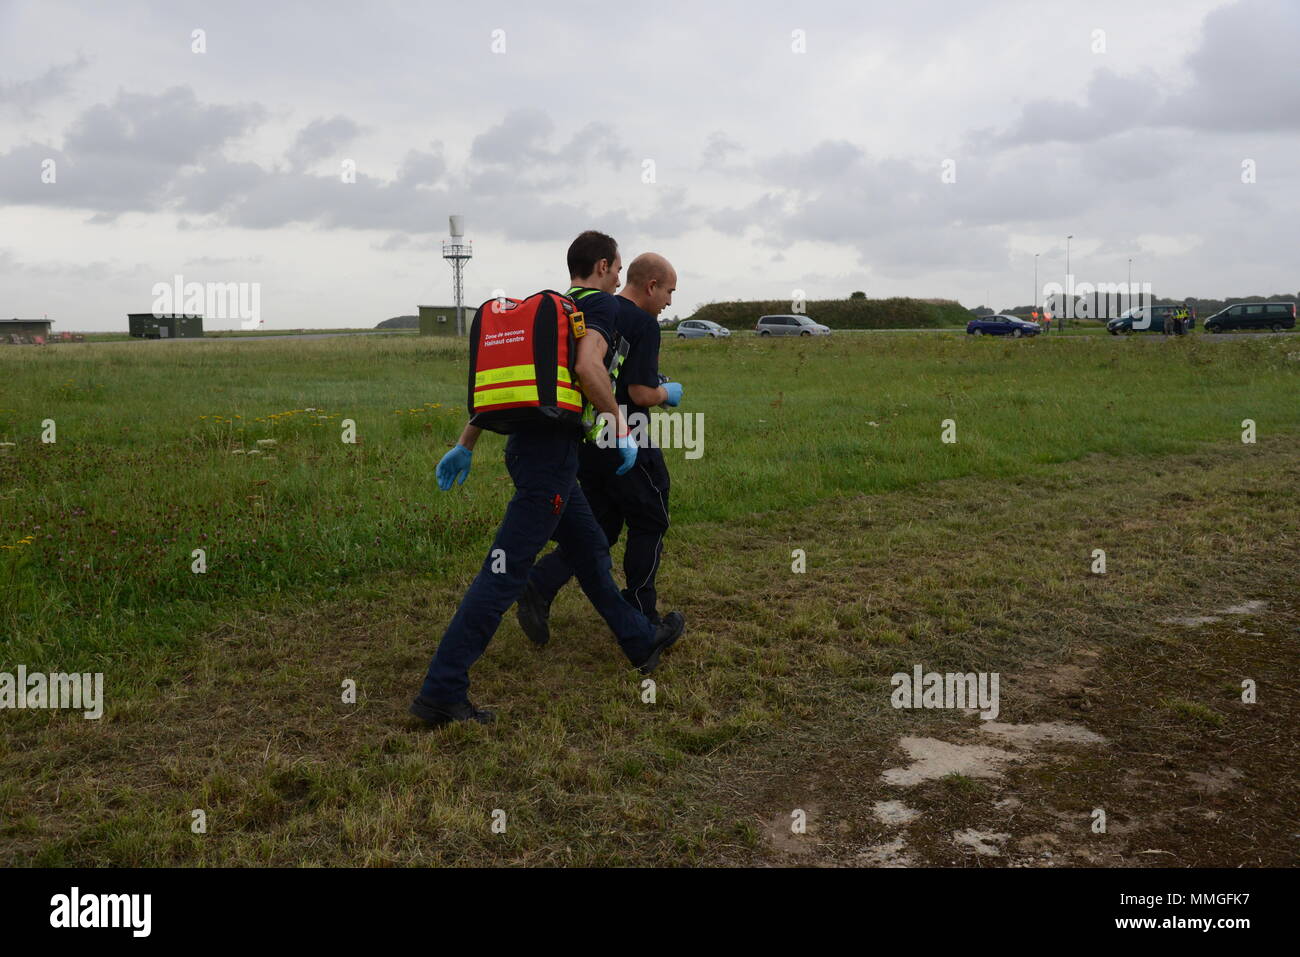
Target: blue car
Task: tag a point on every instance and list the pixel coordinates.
(1002, 325)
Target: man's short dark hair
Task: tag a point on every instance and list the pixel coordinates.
(587, 250)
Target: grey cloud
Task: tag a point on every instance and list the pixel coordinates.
(23, 95)
(171, 127)
(896, 215)
(672, 215)
(518, 139)
(422, 169)
(834, 192)
(535, 219)
(716, 149)
(211, 261)
(277, 199)
(827, 161)
(598, 141)
(516, 154)
(105, 185)
(764, 212)
(122, 156)
(1245, 77)
(322, 138)
(1112, 104)
(1246, 73)
(1128, 158)
(108, 270)
(150, 153)
(217, 186)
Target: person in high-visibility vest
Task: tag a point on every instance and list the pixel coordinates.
(639, 498)
(548, 504)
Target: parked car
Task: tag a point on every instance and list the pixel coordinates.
(790, 326)
(1002, 325)
(1253, 315)
(701, 329)
(1135, 319)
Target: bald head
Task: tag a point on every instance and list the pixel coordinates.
(649, 266)
(650, 283)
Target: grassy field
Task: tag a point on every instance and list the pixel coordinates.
(329, 561)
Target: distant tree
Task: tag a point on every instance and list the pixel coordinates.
(858, 295)
(979, 311)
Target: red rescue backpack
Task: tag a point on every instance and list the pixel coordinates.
(521, 358)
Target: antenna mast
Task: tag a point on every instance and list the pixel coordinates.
(458, 251)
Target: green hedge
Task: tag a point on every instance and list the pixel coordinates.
(896, 313)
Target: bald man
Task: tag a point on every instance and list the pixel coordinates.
(639, 498)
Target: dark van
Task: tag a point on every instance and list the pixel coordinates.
(1253, 315)
(1135, 319)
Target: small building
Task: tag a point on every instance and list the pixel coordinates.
(440, 320)
(24, 330)
(145, 325)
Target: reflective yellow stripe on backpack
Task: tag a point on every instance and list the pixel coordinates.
(505, 396)
(517, 384)
(505, 374)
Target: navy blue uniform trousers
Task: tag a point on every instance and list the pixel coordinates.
(548, 504)
(639, 499)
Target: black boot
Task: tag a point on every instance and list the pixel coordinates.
(534, 613)
(435, 714)
(666, 635)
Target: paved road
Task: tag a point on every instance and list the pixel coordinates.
(307, 335)
(1089, 335)
(293, 337)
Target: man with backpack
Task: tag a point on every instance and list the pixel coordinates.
(542, 458)
(637, 498)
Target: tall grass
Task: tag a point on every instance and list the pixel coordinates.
(157, 455)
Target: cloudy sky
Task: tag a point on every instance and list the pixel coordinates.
(927, 148)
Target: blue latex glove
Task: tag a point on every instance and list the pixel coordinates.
(455, 464)
(674, 390)
(627, 449)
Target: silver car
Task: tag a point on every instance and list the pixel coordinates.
(701, 329)
(790, 326)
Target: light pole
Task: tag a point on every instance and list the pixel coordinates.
(1069, 286)
(1034, 302)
